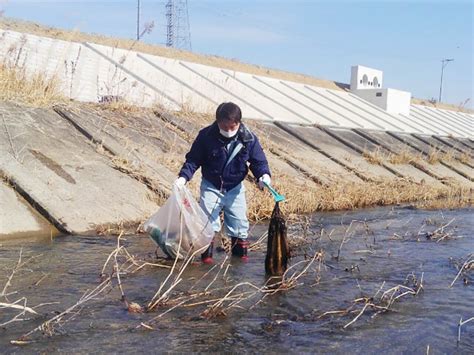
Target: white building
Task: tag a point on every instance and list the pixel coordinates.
(367, 84)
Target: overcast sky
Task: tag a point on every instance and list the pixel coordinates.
(405, 39)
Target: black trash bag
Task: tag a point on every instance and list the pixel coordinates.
(278, 252)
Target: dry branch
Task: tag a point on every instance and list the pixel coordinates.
(21, 303)
(54, 324)
(379, 304)
(50, 326)
(467, 265)
(461, 323)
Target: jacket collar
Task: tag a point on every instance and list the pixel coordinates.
(244, 134)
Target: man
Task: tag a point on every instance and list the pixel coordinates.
(222, 151)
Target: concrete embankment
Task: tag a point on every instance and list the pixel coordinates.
(87, 169)
(63, 176)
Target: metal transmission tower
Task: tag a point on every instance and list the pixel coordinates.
(178, 33)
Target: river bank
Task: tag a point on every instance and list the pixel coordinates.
(94, 168)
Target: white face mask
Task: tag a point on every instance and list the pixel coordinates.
(228, 134)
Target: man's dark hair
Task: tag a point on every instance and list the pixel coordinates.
(228, 111)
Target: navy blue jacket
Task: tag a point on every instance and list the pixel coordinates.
(209, 152)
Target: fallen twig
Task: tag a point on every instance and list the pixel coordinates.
(48, 327)
(15, 306)
(467, 265)
(378, 304)
(461, 323)
(21, 303)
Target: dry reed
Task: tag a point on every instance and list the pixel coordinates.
(117, 264)
(465, 158)
(20, 304)
(304, 196)
(376, 157)
(36, 90)
(434, 156)
(302, 193)
(405, 156)
(380, 302)
(307, 199)
(464, 266)
(461, 323)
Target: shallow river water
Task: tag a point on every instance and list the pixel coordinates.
(361, 252)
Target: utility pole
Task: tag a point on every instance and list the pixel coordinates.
(178, 33)
(138, 20)
(444, 63)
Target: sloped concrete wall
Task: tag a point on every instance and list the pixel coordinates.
(91, 72)
(63, 176)
(85, 168)
(18, 218)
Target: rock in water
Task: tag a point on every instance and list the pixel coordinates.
(278, 253)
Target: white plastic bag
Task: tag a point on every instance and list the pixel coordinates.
(180, 226)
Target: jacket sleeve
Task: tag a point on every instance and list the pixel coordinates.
(258, 160)
(194, 158)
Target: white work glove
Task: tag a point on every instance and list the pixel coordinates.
(264, 179)
(180, 182)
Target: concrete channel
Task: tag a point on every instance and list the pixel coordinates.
(81, 168)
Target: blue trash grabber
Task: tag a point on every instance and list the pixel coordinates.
(276, 195)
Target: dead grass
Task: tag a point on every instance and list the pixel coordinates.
(302, 199)
(465, 158)
(376, 157)
(441, 105)
(122, 106)
(21, 86)
(304, 196)
(449, 156)
(405, 156)
(449, 198)
(197, 119)
(16, 85)
(434, 156)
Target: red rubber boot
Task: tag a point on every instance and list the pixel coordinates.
(240, 248)
(206, 257)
